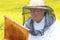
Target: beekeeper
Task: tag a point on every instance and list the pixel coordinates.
(43, 24)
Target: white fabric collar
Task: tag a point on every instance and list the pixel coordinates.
(40, 25)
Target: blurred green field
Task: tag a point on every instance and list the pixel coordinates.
(13, 9)
(1, 35)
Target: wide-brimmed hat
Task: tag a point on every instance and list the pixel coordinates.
(39, 4)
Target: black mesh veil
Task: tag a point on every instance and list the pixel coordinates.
(49, 18)
(26, 12)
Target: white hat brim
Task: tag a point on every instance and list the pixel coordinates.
(36, 7)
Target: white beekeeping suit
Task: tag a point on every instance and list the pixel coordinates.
(53, 33)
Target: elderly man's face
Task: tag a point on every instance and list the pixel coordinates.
(37, 14)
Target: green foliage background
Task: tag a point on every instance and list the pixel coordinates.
(13, 9)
